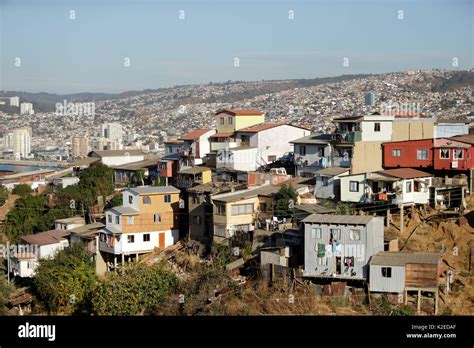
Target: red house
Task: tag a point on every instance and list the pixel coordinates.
(456, 153)
(408, 154)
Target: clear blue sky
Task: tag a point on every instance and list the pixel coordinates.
(60, 55)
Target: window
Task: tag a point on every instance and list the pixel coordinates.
(387, 272)
(222, 120)
(146, 200)
(157, 218)
(219, 209)
(458, 154)
(109, 218)
(302, 150)
(230, 120)
(272, 158)
(377, 127)
(196, 220)
(396, 153)
(444, 153)
(241, 209)
(422, 154)
(130, 220)
(263, 206)
(325, 180)
(321, 151)
(408, 187)
(117, 220)
(167, 198)
(131, 239)
(219, 230)
(195, 199)
(315, 232)
(354, 234)
(353, 186)
(336, 233)
(146, 237)
(130, 199)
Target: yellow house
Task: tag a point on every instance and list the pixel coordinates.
(194, 176)
(235, 119)
(148, 219)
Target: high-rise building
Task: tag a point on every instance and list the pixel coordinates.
(80, 147)
(112, 131)
(26, 108)
(21, 143)
(15, 101)
(370, 99)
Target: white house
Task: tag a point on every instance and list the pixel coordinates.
(69, 223)
(196, 145)
(239, 158)
(400, 185)
(43, 245)
(118, 157)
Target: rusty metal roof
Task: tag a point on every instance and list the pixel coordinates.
(195, 134)
(46, 238)
(405, 173)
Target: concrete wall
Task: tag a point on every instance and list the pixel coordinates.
(369, 134)
(412, 129)
(348, 196)
(367, 157)
(243, 159)
(119, 160)
(276, 141)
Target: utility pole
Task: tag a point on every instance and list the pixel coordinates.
(401, 219)
(8, 262)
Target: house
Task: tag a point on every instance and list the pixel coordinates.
(340, 246)
(88, 236)
(35, 247)
(442, 154)
(148, 219)
(196, 145)
(318, 151)
(128, 174)
(262, 137)
(228, 122)
(451, 127)
(193, 176)
(400, 185)
(117, 157)
(69, 223)
(33, 178)
(328, 182)
(63, 182)
(400, 272)
(240, 158)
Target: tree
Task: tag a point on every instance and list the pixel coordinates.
(66, 281)
(3, 195)
(135, 289)
(285, 198)
(140, 176)
(26, 217)
(5, 291)
(22, 190)
(116, 201)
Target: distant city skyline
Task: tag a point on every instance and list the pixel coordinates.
(44, 47)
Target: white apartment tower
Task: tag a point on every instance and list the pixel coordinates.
(15, 101)
(21, 143)
(26, 109)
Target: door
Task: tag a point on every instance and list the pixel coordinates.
(161, 240)
(338, 265)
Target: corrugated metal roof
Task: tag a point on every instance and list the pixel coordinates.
(153, 189)
(124, 210)
(71, 220)
(87, 228)
(46, 238)
(405, 173)
(195, 134)
(317, 139)
(195, 170)
(339, 219)
(222, 135)
(314, 209)
(401, 258)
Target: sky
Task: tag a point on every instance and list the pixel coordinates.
(120, 45)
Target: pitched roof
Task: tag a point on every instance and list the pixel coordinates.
(314, 209)
(339, 219)
(240, 112)
(195, 134)
(468, 138)
(318, 139)
(195, 170)
(405, 173)
(72, 220)
(46, 238)
(138, 164)
(153, 189)
(401, 258)
(121, 210)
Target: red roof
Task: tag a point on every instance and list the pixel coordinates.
(405, 173)
(46, 238)
(240, 112)
(195, 134)
(222, 135)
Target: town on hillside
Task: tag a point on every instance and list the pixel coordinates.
(372, 214)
